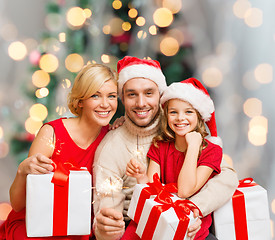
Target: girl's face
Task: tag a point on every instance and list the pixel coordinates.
(101, 107)
(182, 117)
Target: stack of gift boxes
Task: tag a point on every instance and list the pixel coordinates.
(160, 214)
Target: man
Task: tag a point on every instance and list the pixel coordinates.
(140, 85)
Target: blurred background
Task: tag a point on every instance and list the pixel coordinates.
(228, 45)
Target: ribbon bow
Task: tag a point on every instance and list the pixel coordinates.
(246, 182)
(153, 188)
(182, 209)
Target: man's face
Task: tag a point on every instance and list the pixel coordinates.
(141, 100)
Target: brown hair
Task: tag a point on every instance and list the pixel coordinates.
(168, 135)
(87, 82)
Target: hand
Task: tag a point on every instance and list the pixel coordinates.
(193, 139)
(135, 169)
(194, 228)
(36, 164)
(109, 224)
(117, 123)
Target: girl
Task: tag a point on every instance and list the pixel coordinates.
(93, 99)
(181, 153)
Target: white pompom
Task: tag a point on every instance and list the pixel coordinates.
(215, 140)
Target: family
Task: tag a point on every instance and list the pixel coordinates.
(163, 131)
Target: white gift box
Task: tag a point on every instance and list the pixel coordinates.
(133, 207)
(167, 223)
(40, 204)
(256, 211)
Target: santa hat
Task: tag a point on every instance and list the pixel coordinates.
(192, 91)
(133, 67)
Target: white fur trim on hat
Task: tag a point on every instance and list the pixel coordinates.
(187, 92)
(144, 71)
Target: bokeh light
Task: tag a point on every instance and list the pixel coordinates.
(253, 17)
(42, 92)
(105, 58)
(173, 5)
(126, 26)
(76, 16)
(17, 51)
(40, 78)
(32, 126)
(252, 107)
(53, 21)
(153, 30)
(117, 4)
(228, 159)
(4, 149)
(8, 32)
(66, 83)
(169, 46)
(257, 135)
(163, 17)
(74, 62)
(240, 7)
(212, 77)
(140, 21)
(62, 37)
(1, 132)
(141, 34)
(116, 26)
(38, 112)
(87, 12)
(48, 62)
(60, 110)
(5, 209)
(106, 29)
(264, 73)
(132, 13)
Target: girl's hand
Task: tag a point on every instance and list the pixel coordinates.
(36, 164)
(135, 169)
(193, 139)
(117, 123)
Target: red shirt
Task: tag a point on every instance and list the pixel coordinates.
(171, 161)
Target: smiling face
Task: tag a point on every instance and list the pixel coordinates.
(182, 117)
(101, 106)
(141, 101)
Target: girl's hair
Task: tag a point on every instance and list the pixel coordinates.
(87, 82)
(168, 135)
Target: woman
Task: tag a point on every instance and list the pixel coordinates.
(93, 99)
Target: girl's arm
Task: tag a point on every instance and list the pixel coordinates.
(38, 162)
(137, 170)
(191, 177)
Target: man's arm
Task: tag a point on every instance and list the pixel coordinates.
(108, 205)
(217, 191)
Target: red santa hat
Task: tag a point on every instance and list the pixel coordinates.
(192, 91)
(133, 67)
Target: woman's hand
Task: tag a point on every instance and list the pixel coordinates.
(117, 123)
(36, 164)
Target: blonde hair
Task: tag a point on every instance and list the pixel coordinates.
(87, 82)
(168, 135)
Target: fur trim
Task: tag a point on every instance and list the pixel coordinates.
(144, 71)
(187, 92)
(215, 140)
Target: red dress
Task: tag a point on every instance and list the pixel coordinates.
(65, 151)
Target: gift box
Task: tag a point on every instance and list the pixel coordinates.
(146, 191)
(245, 216)
(58, 206)
(168, 219)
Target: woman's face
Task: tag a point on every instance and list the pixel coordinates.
(101, 107)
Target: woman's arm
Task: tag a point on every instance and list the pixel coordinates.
(38, 162)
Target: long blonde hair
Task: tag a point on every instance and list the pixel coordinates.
(168, 135)
(87, 82)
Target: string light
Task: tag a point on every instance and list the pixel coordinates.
(17, 51)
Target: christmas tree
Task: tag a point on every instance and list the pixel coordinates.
(89, 31)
